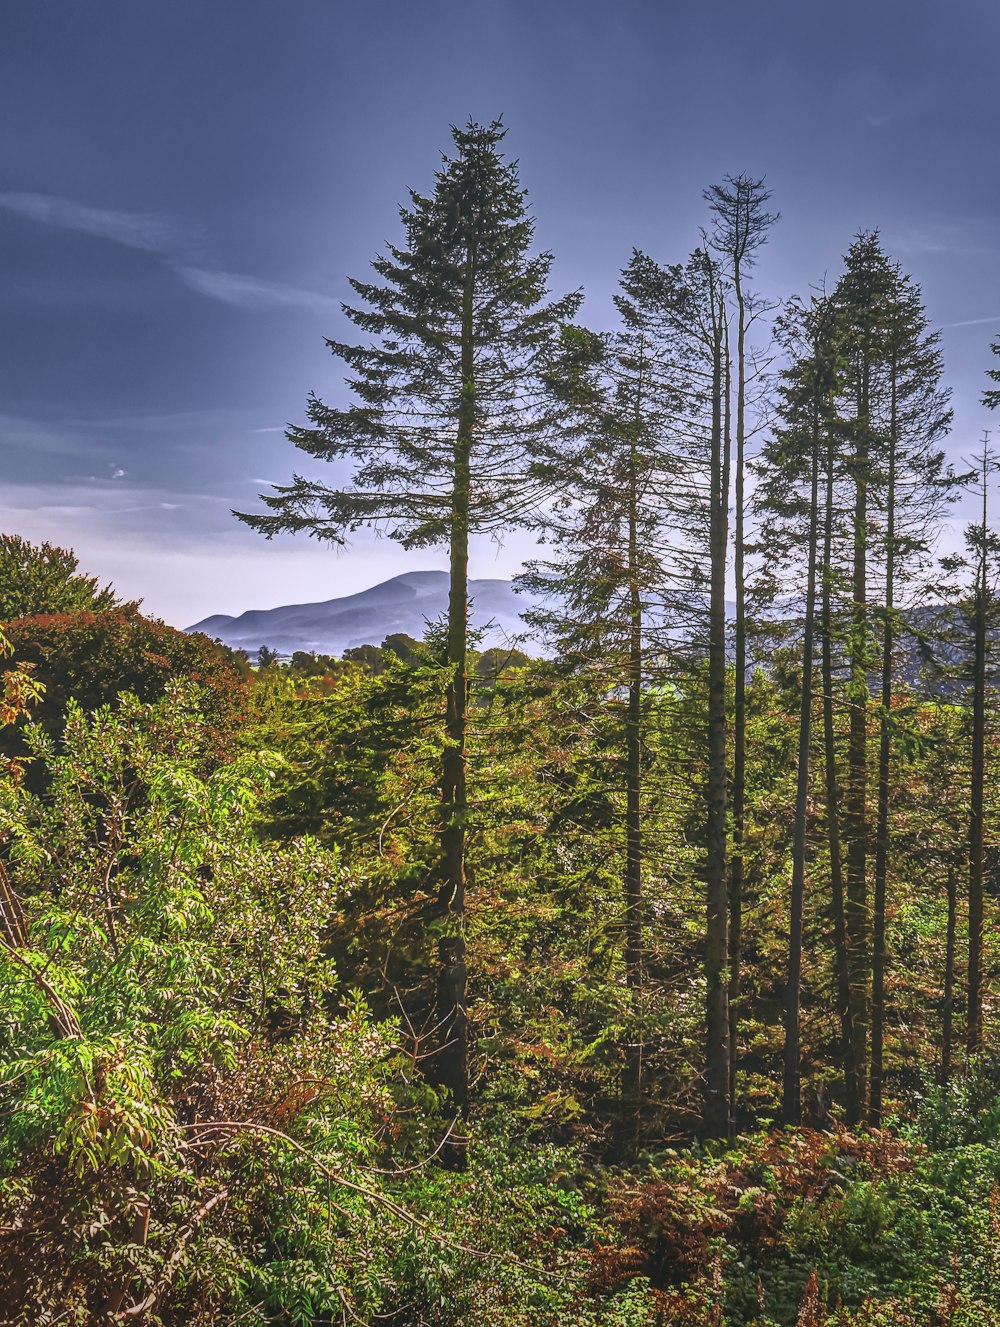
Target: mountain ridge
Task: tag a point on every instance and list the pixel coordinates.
(404, 603)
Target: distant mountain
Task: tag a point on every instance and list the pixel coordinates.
(406, 603)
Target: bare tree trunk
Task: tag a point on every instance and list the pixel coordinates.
(852, 1089)
(855, 793)
(948, 1013)
(737, 867)
(632, 1083)
(882, 815)
(717, 1110)
(791, 1090)
(977, 772)
(452, 1068)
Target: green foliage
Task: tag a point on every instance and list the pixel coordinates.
(164, 1009)
(43, 578)
(458, 339)
(91, 657)
(221, 903)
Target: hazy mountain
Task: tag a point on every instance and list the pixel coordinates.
(405, 603)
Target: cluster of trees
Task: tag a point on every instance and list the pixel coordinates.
(481, 405)
(647, 982)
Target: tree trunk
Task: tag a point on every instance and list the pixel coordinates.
(716, 1110)
(791, 1092)
(852, 1089)
(977, 773)
(452, 1068)
(884, 771)
(855, 809)
(948, 1013)
(737, 868)
(632, 1082)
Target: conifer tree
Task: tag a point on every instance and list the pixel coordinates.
(915, 486)
(621, 586)
(741, 225)
(872, 431)
(788, 503)
(451, 414)
(709, 329)
(982, 613)
(860, 298)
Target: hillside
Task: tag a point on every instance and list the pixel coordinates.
(406, 603)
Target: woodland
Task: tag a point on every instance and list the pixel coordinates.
(648, 978)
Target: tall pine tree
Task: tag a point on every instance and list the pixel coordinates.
(619, 590)
(451, 414)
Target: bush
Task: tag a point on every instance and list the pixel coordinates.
(92, 657)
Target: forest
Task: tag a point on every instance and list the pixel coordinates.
(646, 978)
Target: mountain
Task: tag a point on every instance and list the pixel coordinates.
(406, 603)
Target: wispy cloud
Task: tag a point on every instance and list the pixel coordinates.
(21, 433)
(974, 322)
(250, 292)
(164, 240)
(945, 237)
(135, 230)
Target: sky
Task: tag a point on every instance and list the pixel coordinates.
(186, 188)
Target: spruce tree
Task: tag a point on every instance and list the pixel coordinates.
(915, 485)
(981, 612)
(450, 416)
(741, 225)
(619, 588)
(709, 329)
(788, 503)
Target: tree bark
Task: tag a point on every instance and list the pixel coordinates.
(855, 793)
(452, 1018)
(977, 775)
(716, 1108)
(791, 1090)
(852, 1088)
(632, 1083)
(948, 1013)
(875, 1090)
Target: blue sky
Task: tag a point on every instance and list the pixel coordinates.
(186, 187)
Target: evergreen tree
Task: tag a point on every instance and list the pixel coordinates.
(741, 225)
(451, 414)
(865, 404)
(860, 297)
(981, 618)
(622, 584)
(709, 329)
(915, 486)
(788, 503)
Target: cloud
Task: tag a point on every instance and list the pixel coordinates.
(944, 237)
(250, 292)
(139, 230)
(134, 230)
(974, 322)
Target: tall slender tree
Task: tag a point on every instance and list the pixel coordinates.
(620, 586)
(741, 225)
(915, 486)
(451, 413)
(788, 503)
(710, 328)
(983, 547)
(862, 299)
